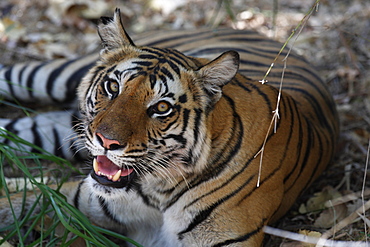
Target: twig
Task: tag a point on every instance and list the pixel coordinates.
(275, 112)
(312, 240)
(363, 188)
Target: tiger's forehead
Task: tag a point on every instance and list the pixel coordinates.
(158, 75)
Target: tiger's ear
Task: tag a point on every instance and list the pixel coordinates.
(218, 73)
(112, 33)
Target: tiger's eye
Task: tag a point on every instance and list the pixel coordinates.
(113, 86)
(163, 107)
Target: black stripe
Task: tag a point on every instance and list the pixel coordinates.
(31, 78)
(175, 68)
(167, 73)
(37, 141)
(74, 80)
(179, 37)
(304, 82)
(242, 238)
(57, 146)
(107, 212)
(10, 127)
(283, 105)
(152, 80)
(203, 214)
(21, 73)
(299, 151)
(188, 38)
(272, 173)
(251, 39)
(179, 138)
(147, 56)
(306, 152)
(76, 199)
(169, 124)
(260, 92)
(179, 58)
(157, 51)
(50, 82)
(147, 199)
(97, 74)
(197, 121)
(143, 63)
(321, 116)
(319, 155)
(75, 121)
(242, 84)
(8, 76)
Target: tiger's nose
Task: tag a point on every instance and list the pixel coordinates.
(108, 143)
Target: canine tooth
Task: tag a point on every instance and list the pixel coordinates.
(117, 175)
(95, 165)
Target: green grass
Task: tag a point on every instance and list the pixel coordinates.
(50, 202)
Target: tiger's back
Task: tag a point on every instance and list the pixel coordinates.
(313, 116)
(199, 158)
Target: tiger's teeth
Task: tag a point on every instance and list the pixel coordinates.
(95, 165)
(114, 177)
(117, 175)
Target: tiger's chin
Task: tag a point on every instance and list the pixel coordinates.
(109, 174)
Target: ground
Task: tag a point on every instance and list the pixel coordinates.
(335, 39)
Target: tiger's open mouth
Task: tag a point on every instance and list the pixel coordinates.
(107, 173)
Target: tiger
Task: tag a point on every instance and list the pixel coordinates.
(185, 149)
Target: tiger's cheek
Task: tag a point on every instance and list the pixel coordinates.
(160, 128)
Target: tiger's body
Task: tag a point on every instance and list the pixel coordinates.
(185, 150)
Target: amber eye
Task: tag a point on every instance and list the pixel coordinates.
(112, 88)
(161, 108)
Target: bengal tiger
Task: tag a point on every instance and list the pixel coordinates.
(185, 152)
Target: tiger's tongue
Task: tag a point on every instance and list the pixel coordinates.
(105, 167)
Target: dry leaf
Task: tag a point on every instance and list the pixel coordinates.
(5, 244)
(348, 73)
(71, 11)
(10, 29)
(317, 202)
(331, 216)
(308, 233)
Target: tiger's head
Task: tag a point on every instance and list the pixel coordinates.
(147, 110)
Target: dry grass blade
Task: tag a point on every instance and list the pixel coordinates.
(276, 116)
(347, 198)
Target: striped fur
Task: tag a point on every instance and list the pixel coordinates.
(185, 134)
